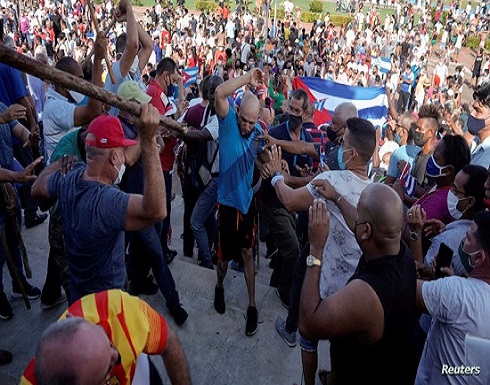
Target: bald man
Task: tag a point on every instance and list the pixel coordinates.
(369, 321)
(104, 338)
(239, 146)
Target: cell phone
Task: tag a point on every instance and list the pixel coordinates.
(443, 259)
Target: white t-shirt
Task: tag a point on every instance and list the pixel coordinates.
(341, 253)
(460, 306)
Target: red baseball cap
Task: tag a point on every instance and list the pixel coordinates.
(108, 133)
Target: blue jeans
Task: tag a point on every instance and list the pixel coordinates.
(145, 252)
(205, 206)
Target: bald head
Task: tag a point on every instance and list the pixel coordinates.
(248, 114)
(345, 111)
(250, 104)
(381, 206)
(72, 351)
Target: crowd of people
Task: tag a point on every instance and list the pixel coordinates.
(366, 227)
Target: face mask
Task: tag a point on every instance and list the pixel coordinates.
(432, 169)
(294, 121)
(452, 203)
(120, 172)
(465, 257)
(340, 160)
(419, 139)
(398, 139)
(475, 125)
(135, 65)
(77, 96)
(331, 134)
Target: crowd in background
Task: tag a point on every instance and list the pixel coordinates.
(434, 137)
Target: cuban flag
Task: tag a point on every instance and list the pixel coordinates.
(383, 63)
(409, 182)
(371, 102)
(189, 76)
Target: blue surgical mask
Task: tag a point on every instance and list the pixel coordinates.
(398, 139)
(340, 160)
(465, 257)
(433, 169)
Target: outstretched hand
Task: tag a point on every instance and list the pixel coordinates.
(26, 175)
(318, 225)
(275, 156)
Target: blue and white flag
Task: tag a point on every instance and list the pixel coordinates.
(371, 102)
(189, 76)
(383, 63)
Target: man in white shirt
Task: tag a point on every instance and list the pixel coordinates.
(459, 307)
(479, 125)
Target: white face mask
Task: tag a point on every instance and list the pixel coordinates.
(77, 96)
(135, 65)
(452, 203)
(120, 172)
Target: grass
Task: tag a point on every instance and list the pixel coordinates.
(328, 6)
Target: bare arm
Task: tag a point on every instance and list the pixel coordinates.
(355, 309)
(85, 114)
(297, 147)
(253, 77)
(144, 210)
(26, 101)
(124, 12)
(175, 361)
(24, 176)
(419, 301)
(391, 105)
(146, 46)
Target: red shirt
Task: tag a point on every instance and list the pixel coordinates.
(166, 108)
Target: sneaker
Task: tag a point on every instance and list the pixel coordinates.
(284, 299)
(36, 220)
(178, 314)
(5, 357)
(61, 299)
(252, 321)
(289, 338)
(219, 299)
(169, 255)
(6, 312)
(147, 288)
(32, 292)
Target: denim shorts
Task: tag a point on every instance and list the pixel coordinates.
(308, 346)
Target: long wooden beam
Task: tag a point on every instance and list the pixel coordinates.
(60, 78)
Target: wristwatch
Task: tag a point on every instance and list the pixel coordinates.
(414, 235)
(276, 173)
(312, 261)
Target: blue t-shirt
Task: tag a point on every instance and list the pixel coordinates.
(406, 153)
(282, 132)
(6, 150)
(236, 162)
(12, 85)
(94, 217)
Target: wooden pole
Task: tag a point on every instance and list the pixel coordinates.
(105, 32)
(96, 27)
(60, 78)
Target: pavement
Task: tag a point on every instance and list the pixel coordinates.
(217, 349)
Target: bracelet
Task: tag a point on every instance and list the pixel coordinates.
(276, 179)
(338, 199)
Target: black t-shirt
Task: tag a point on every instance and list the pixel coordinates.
(281, 132)
(388, 361)
(405, 49)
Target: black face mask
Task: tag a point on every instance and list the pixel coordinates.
(294, 121)
(475, 125)
(331, 134)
